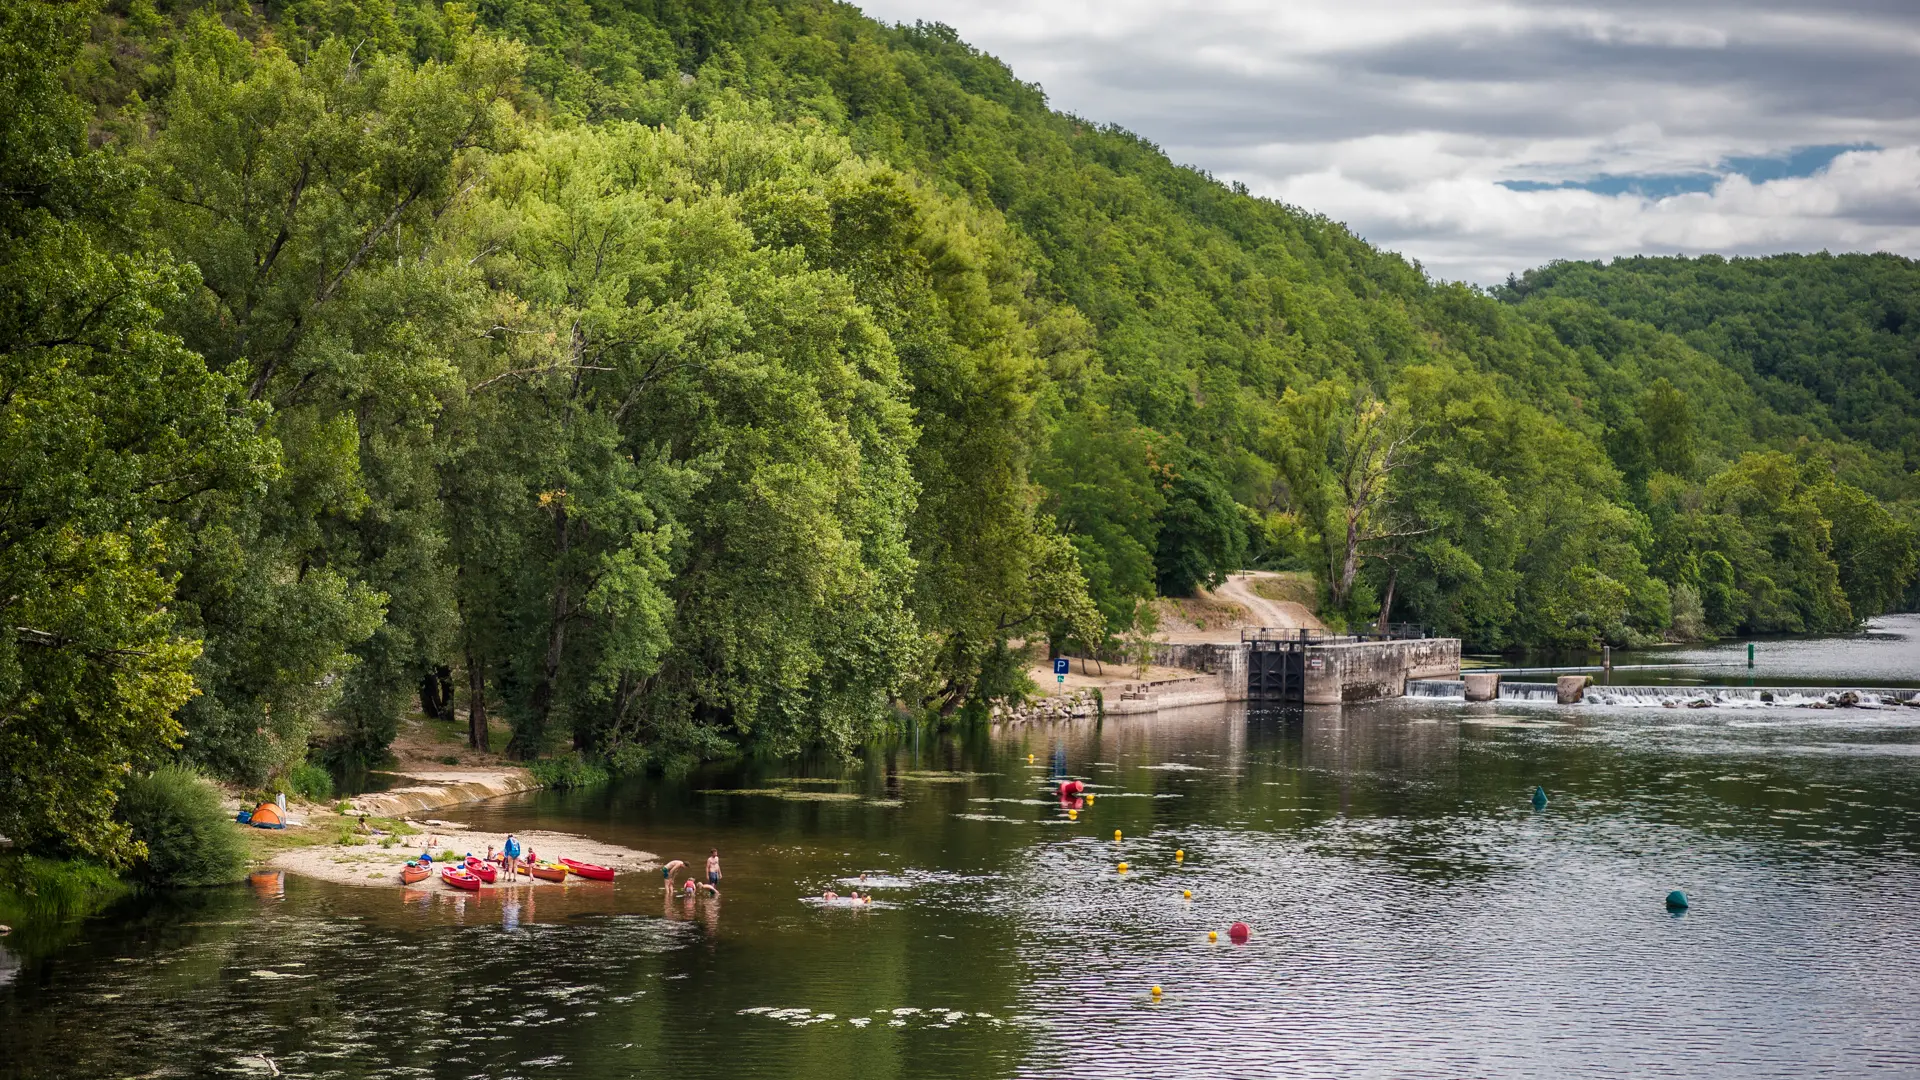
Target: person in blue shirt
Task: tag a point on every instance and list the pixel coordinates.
(511, 849)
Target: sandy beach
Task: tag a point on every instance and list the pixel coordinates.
(369, 864)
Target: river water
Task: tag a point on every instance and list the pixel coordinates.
(1411, 914)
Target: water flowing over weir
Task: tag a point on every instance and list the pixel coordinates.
(1752, 697)
(1437, 689)
(1669, 697)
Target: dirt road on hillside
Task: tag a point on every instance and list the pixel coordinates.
(1283, 614)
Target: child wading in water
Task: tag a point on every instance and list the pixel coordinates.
(713, 870)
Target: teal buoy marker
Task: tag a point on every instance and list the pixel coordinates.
(1677, 901)
(1539, 798)
(1749, 654)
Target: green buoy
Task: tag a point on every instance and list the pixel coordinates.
(1539, 798)
(1677, 901)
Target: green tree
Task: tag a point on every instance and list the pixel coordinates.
(111, 436)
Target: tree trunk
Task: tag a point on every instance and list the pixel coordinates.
(436, 693)
(544, 690)
(1386, 606)
(477, 736)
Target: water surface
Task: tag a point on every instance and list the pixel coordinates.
(1411, 914)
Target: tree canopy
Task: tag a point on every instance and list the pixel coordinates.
(673, 375)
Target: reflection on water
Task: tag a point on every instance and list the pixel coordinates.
(1412, 914)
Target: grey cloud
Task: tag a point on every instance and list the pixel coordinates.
(1405, 134)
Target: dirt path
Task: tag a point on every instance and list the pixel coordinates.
(1281, 614)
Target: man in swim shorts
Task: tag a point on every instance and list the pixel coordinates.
(713, 870)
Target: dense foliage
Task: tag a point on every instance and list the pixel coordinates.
(187, 836)
(671, 374)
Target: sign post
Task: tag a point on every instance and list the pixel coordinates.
(1060, 669)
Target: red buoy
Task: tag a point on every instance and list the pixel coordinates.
(1070, 788)
(1238, 932)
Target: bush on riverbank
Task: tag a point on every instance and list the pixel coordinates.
(35, 889)
(180, 819)
(571, 771)
(310, 782)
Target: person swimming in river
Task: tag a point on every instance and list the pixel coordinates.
(829, 895)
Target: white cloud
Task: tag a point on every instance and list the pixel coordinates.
(1403, 117)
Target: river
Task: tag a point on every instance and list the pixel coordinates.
(1412, 914)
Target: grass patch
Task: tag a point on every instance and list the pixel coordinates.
(34, 889)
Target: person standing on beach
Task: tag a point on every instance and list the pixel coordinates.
(713, 870)
(511, 849)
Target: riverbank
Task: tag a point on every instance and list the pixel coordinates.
(365, 839)
(374, 865)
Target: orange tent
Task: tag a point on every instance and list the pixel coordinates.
(267, 816)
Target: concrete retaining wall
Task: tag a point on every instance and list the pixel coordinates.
(1365, 670)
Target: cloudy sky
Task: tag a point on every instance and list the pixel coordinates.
(1483, 137)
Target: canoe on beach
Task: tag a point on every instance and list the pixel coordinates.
(460, 879)
(588, 870)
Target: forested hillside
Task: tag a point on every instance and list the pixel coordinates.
(677, 376)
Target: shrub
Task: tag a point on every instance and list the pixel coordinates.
(450, 759)
(571, 771)
(310, 782)
(1689, 614)
(178, 816)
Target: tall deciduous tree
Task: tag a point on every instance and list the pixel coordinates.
(111, 437)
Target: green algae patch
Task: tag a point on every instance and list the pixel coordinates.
(788, 793)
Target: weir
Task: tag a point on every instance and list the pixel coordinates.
(1675, 697)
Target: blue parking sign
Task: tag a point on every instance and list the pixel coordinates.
(1060, 665)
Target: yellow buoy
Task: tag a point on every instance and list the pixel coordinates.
(1186, 894)
(1156, 991)
(1180, 856)
(1123, 868)
(1213, 935)
(1073, 815)
(1029, 759)
(1116, 834)
(1089, 799)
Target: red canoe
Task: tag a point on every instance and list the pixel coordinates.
(481, 869)
(413, 872)
(460, 879)
(588, 870)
